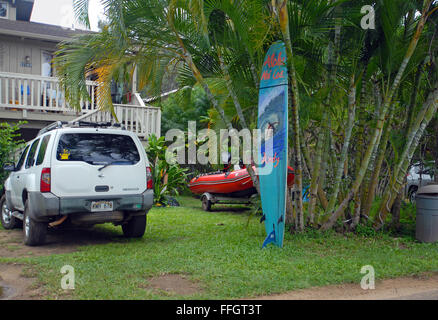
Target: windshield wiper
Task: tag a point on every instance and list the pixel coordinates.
(112, 163)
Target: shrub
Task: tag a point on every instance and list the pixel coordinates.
(8, 146)
(169, 179)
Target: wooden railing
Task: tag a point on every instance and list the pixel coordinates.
(24, 91)
(141, 120)
(44, 94)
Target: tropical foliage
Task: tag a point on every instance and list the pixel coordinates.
(169, 179)
(360, 99)
(178, 109)
(8, 145)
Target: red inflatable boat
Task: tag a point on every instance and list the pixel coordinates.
(231, 184)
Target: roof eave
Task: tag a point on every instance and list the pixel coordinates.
(31, 35)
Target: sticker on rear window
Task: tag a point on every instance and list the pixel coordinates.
(64, 155)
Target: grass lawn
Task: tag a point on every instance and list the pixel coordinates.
(221, 252)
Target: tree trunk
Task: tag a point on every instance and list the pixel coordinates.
(283, 19)
(375, 140)
(345, 147)
(423, 119)
(395, 212)
(435, 171)
(321, 194)
(377, 168)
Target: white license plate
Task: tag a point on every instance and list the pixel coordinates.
(98, 206)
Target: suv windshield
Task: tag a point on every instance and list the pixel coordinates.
(97, 148)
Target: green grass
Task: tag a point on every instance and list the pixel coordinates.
(221, 252)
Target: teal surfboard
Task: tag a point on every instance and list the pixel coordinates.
(272, 151)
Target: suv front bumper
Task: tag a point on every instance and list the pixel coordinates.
(44, 205)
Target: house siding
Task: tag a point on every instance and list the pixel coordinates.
(14, 50)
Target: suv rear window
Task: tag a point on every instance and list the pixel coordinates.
(97, 148)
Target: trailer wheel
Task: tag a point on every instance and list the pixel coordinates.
(206, 204)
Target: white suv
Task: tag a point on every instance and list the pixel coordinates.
(86, 173)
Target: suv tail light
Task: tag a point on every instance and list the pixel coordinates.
(45, 180)
(149, 180)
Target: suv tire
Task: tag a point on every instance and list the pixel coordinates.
(7, 219)
(412, 194)
(34, 232)
(135, 227)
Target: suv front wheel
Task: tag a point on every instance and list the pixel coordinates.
(135, 227)
(34, 232)
(8, 220)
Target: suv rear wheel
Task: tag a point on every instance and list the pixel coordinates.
(34, 232)
(8, 220)
(135, 227)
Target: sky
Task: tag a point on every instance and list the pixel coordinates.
(60, 13)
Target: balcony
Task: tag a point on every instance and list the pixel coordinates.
(35, 98)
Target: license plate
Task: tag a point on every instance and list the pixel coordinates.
(97, 206)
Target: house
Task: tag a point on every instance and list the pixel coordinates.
(29, 89)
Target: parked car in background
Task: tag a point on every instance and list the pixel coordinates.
(85, 173)
(419, 175)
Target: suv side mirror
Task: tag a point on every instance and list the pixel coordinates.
(9, 167)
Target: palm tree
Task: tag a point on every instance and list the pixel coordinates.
(159, 37)
(375, 139)
(350, 88)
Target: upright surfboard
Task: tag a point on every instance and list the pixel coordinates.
(272, 152)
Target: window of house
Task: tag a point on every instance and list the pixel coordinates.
(3, 10)
(46, 64)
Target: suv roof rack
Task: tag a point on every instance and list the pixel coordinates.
(94, 124)
(79, 124)
(52, 126)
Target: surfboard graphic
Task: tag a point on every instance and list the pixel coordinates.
(272, 152)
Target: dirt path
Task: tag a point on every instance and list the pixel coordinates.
(57, 242)
(408, 288)
(15, 286)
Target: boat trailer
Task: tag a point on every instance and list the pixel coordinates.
(209, 199)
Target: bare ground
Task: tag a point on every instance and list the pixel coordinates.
(173, 284)
(15, 285)
(423, 287)
(57, 242)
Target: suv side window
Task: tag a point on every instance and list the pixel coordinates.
(31, 157)
(43, 149)
(22, 157)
